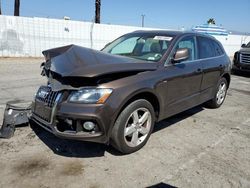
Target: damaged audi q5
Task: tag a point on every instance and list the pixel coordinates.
(117, 94)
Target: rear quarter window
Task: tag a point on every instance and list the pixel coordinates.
(217, 48)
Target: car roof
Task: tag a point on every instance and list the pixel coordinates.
(160, 32)
(171, 33)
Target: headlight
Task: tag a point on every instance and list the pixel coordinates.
(88, 95)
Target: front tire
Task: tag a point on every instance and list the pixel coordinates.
(133, 126)
(219, 95)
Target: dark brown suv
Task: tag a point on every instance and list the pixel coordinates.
(117, 94)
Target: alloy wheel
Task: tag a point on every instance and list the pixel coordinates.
(221, 93)
(137, 127)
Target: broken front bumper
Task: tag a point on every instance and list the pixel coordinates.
(65, 119)
(85, 136)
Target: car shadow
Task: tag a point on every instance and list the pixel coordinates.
(161, 185)
(82, 149)
(71, 148)
(177, 118)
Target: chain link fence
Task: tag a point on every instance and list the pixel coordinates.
(28, 37)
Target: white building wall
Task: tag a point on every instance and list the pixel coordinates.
(25, 37)
(232, 43)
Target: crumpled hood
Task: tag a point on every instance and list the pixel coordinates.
(76, 61)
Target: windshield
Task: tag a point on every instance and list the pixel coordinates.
(248, 45)
(140, 46)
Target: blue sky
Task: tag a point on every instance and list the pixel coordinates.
(171, 14)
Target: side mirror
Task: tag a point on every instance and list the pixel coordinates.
(181, 54)
(243, 45)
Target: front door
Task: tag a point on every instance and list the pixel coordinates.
(183, 79)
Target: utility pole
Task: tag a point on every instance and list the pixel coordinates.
(142, 19)
(17, 8)
(97, 11)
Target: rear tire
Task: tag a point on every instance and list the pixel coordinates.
(220, 94)
(133, 126)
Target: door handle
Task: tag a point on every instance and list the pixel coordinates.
(198, 70)
(222, 66)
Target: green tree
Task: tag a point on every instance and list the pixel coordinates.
(17, 8)
(211, 21)
(97, 11)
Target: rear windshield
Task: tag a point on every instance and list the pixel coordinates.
(140, 46)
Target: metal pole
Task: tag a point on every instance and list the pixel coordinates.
(97, 11)
(142, 19)
(17, 8)
(0, 8)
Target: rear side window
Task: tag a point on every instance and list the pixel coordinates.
(209, 48)
(206, 48)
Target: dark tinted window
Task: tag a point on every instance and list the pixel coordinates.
(206, 48)
(217, 48)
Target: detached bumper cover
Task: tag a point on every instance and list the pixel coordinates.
(16, 113)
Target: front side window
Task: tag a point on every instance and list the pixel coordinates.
(189, 43)
(138, 46)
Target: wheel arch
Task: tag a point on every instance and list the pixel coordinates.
(227, 77)
(147, 94)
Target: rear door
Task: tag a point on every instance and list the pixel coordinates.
(183, 79)
(211, 57)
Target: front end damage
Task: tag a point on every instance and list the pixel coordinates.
(52, 112)
(70, 69)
